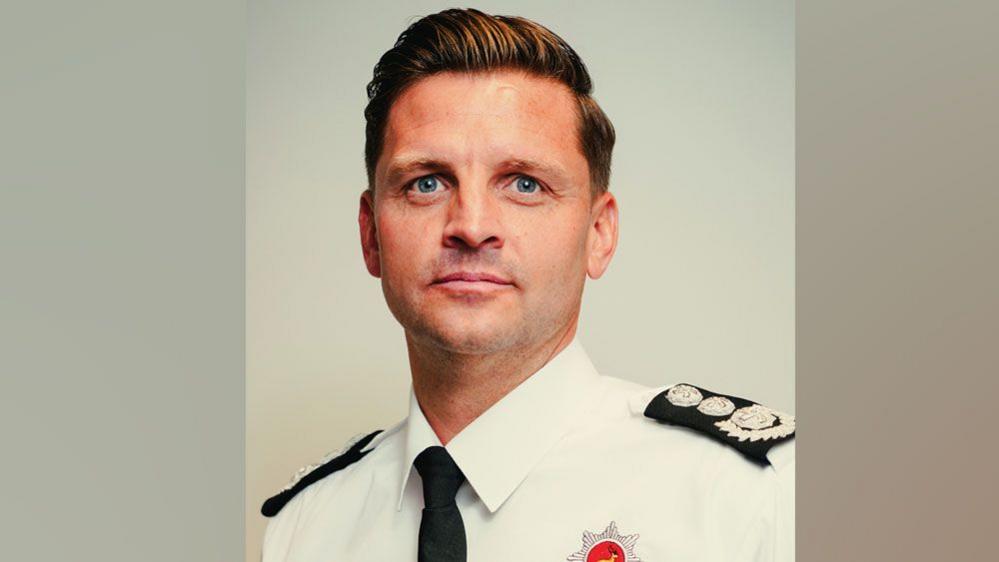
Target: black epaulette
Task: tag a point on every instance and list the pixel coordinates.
(311, 474)
(750, 428)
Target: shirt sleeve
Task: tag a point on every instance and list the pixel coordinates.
(280, 532)
(782, 460)
(770, 537)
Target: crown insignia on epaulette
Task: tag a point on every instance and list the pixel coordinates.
(749, 427)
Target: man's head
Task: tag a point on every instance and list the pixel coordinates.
(488, 166)
(471, 41)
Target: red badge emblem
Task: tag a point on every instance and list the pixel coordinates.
(608, 546)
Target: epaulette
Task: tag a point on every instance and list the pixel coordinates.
(311, 474)
(750, 428)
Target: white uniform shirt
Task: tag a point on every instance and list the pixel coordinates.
(559, 466)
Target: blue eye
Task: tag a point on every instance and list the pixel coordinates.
(427, 184)
(526, 184)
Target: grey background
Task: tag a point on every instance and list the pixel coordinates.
(898, 306)
(121, 281)
(701, 288)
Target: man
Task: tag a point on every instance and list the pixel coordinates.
(487, 207)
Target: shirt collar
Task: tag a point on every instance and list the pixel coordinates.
(500, 447)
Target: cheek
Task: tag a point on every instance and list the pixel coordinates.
(402, 243)
(555, 254)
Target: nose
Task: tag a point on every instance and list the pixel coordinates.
(473, 220)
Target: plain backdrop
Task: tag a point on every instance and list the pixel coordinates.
(701, 288)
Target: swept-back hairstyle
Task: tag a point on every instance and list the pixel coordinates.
(467, 40)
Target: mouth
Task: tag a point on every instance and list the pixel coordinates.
(472, 282)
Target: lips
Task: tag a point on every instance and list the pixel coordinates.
(472, 277)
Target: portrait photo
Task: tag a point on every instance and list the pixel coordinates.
(520, 281)
(553, 281)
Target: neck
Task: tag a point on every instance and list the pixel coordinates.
(455, 388)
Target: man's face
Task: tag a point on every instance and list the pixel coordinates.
(482, 225)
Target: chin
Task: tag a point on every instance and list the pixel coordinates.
(466, 337)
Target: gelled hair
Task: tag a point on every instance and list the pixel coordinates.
(467, 40)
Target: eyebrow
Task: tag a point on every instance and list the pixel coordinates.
(400, 169)
(545, 168)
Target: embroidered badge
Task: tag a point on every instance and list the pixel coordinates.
(683, 395)
(756, 423)
(716, 406)
(608, 546)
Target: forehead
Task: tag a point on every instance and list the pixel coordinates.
(485, 117)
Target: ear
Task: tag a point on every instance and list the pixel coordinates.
(369, 234)
(602, 239)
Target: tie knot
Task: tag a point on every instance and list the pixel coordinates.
(441, 476)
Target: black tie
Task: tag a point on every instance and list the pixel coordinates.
(442, 532)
